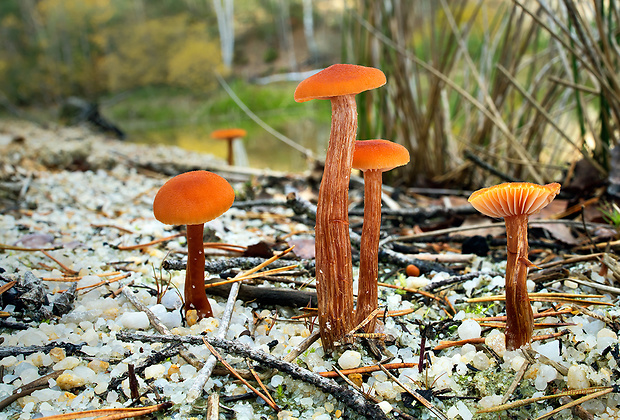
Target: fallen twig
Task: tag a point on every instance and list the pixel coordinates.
(348, 397)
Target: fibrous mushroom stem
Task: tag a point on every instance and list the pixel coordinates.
(334, 274)
(367, 296)
(519, 315)
(195, 295)
(231, 156)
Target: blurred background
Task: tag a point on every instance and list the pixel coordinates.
(478, 91)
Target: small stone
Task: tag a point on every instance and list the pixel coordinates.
(57, 354)
(577, 377)
(469, 329)
(68, 380)
(605, 338)
(497, 342)
(569, 284)
(356, 378)
(350, 359)
(276, 380)
(173, 369)
(154, 371)
(98, 365)
(67, 363)
(171, 300)
(385, 406)
(135, 320)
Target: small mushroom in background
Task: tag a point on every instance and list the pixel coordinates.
(230, 135)
(334, 272)
(515, 202)
(192, 199)
(373, 157)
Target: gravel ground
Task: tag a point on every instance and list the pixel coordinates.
(85, 197)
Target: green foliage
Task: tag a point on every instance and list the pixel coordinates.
(611, 214)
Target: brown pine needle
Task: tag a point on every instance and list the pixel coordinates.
(147, 244)
(7, 286)
(251, 276)
(367, 369)
(572, 298)
(539, 325)
(592, 392)
(236, 374)
(480, 340)
(101, 283)
(62, 266)
(536, 315)
(226, 247)
(107, 225)
(578, 401)
(25, 249)
(78, 278)
(111, 413)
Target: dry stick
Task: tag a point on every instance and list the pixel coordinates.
(159, 326)
(250, 276)
(213, 406)
(301, 347)
(111, 413)
(516, 381)
(29, 388)
(205, 372)
(234, 372)
(348, 397)
(147, 244)
(437, 412)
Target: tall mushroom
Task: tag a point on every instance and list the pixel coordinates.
(229, 134)
(334, 276)
(192, 199)
(515, 202)
(373, 157)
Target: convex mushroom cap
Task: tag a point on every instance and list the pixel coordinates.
(513, 198)
(382, 155)
(228, 133)
(193, 198)
(337, 80)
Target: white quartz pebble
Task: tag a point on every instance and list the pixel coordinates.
(350, 359)
(469, 329)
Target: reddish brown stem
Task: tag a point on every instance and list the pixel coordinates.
(230, 156)
(195, 295)
(368, 295)
(334, 274)
(519, 315)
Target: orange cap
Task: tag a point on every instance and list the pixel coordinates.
(380, 155)
(337, 80)
(192, 198)
(513, 198)
(228, 133)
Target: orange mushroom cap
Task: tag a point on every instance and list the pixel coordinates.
(192, 198)
(381, 155)
(228, 133)
(513, 198)
(337, 80)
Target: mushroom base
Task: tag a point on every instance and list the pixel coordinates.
(519, 315)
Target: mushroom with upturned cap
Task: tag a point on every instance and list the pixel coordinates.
(192, 199)
(515, 202)
(373, 157)
(334, 273)
(229, 134)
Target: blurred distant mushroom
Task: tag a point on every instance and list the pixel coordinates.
(515, 202)
(229, 134)
(334, 274)
(373, 157)
(192, 199)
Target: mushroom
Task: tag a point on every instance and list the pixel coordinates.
(192, 199)
(334, 274)
(373, 157)
(229, 134)
(515, 201)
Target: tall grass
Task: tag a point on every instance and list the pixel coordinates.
(523, 88)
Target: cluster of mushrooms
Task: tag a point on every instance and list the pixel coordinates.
(193, 198)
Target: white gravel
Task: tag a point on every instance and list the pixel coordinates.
(86, 213)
